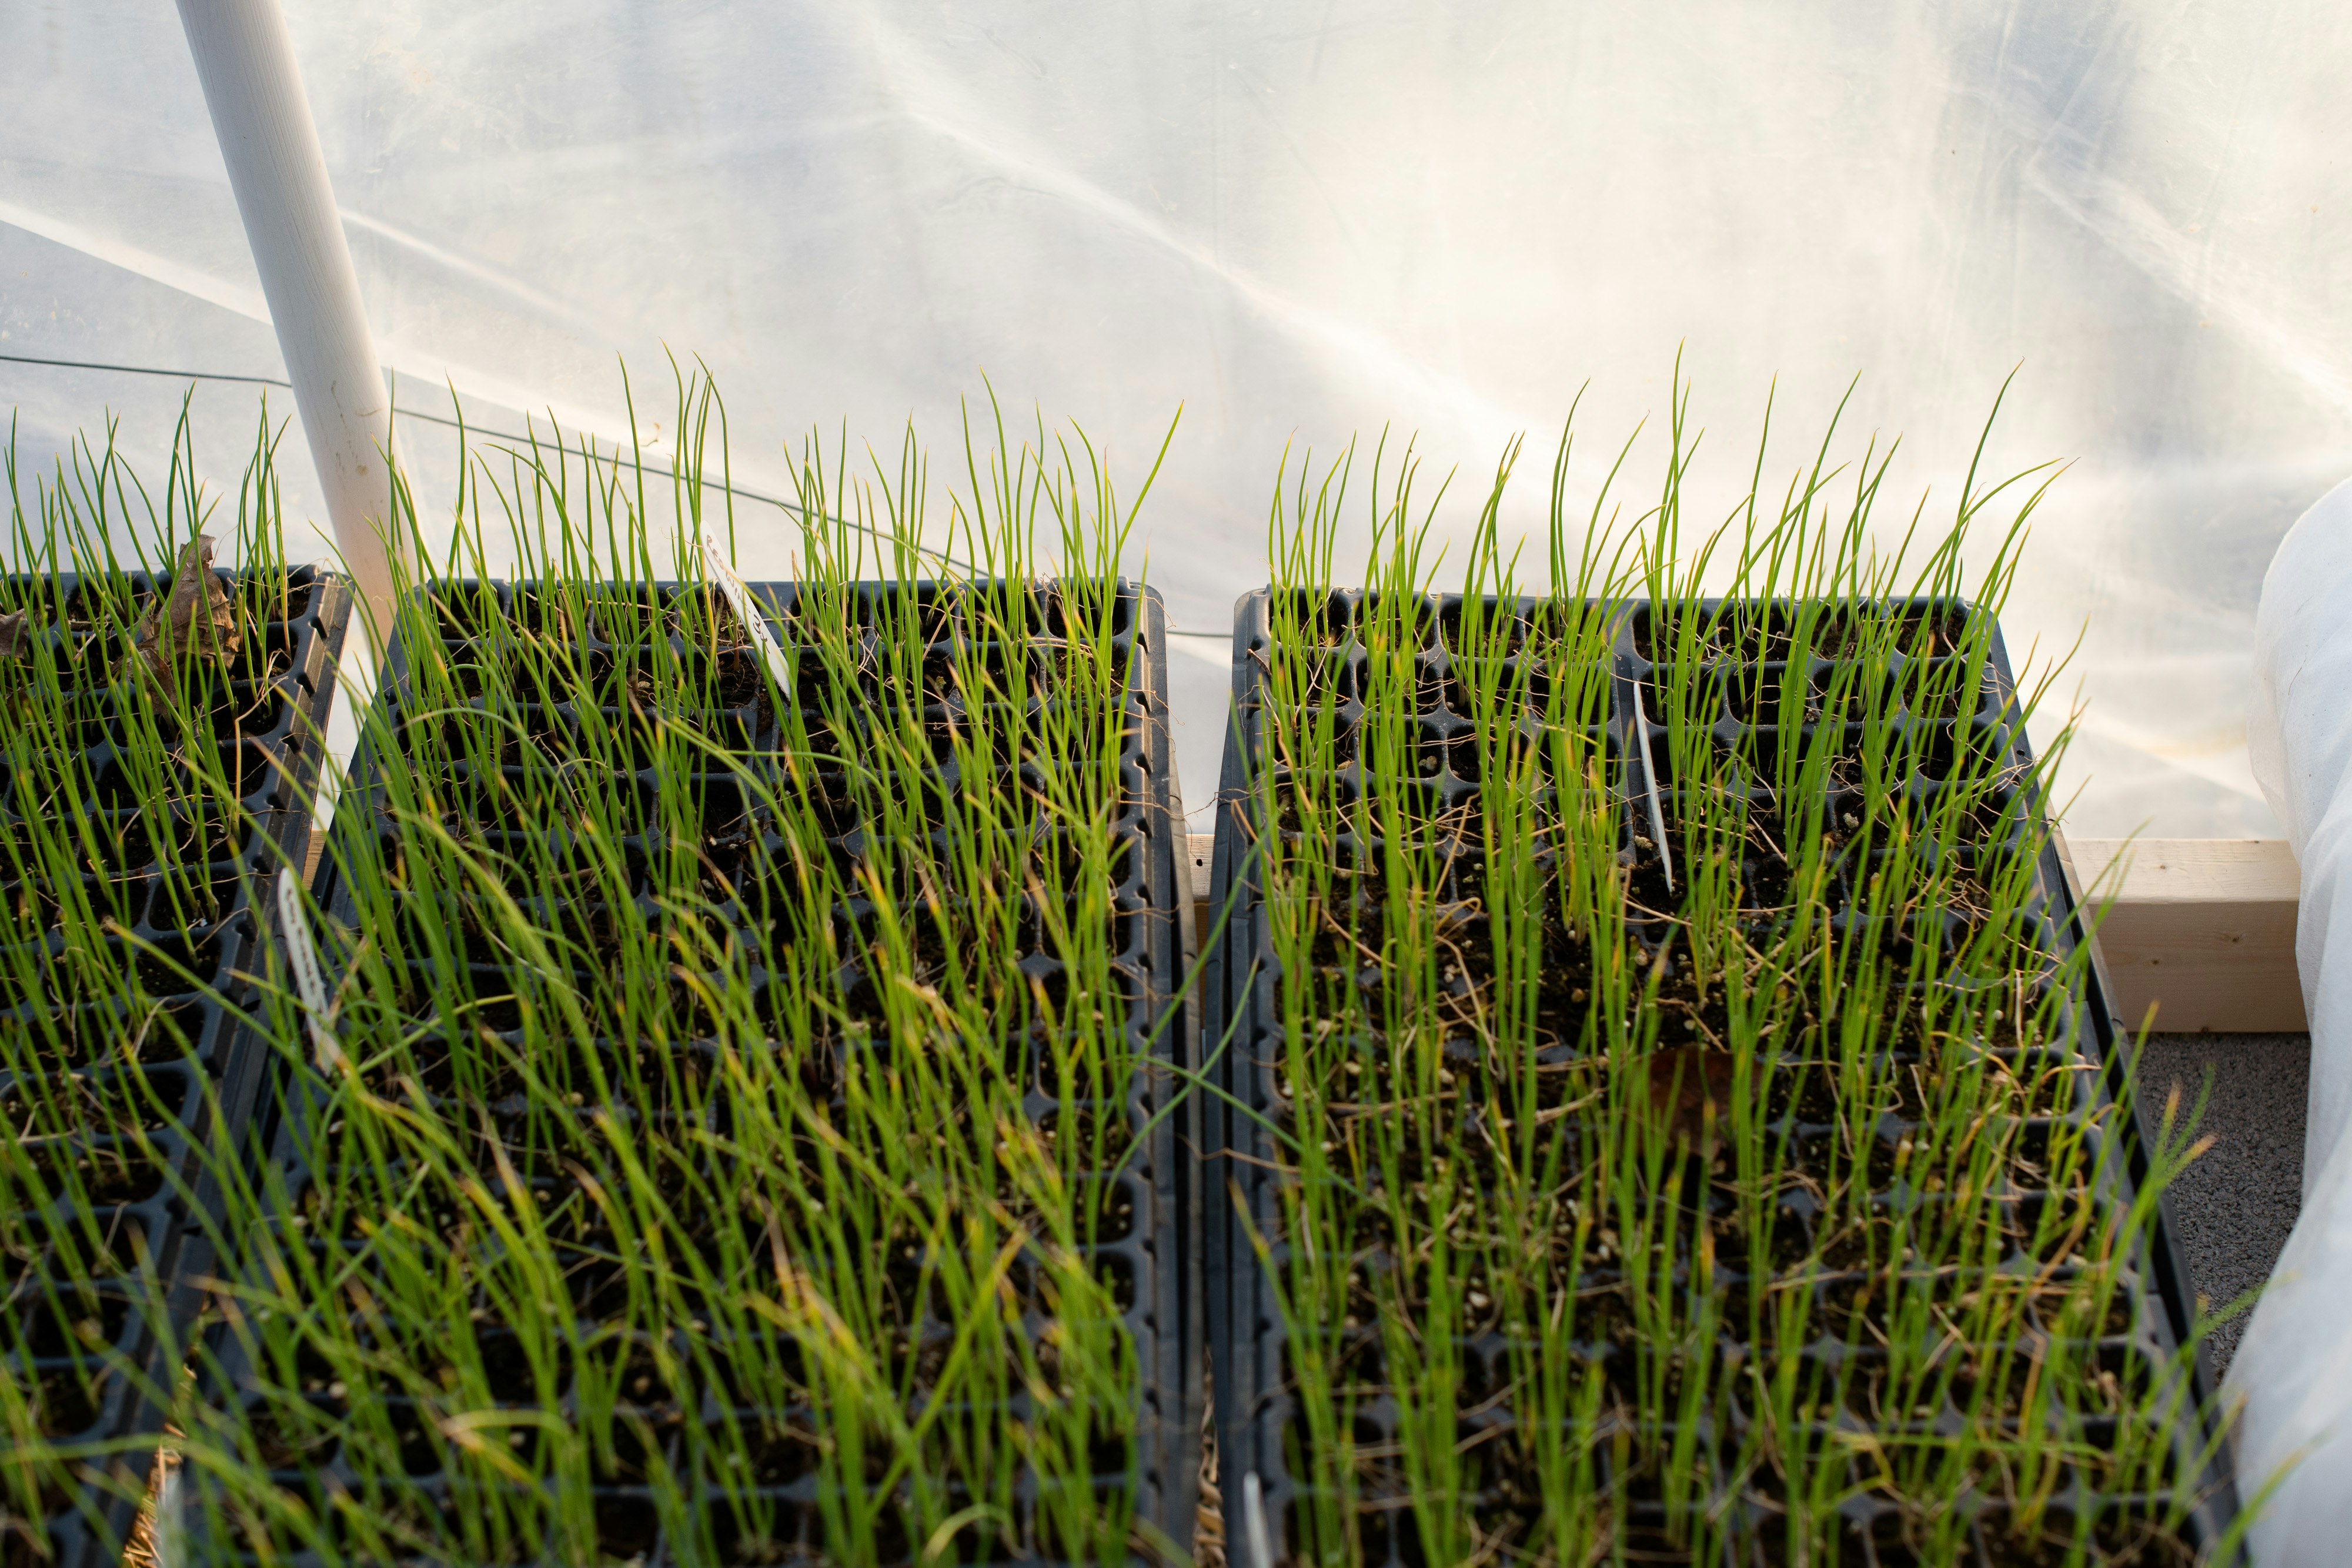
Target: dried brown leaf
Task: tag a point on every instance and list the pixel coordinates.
(195, 620)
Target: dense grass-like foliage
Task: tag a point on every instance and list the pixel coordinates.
(1689, 1141)
(150, 724)
(727, 1139)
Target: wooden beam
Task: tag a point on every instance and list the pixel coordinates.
(2200, 930)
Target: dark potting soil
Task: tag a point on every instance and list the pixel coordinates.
(2056, 1087)
(1143, 1211)
(106, 1102)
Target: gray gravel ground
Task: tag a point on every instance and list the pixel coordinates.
(2235, 1206)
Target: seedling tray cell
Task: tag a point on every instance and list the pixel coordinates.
(1357, 744)
(141, 835)
(617, 770)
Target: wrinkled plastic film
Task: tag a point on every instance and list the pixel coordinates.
(1303, 222)
(2293, 1370)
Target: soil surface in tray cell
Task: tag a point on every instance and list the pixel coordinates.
(1669, 1107)
(746, 1148)
(152, 763)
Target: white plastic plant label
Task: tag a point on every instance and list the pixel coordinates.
(739, 597)
(310, 979)
(1650, 783)
(1261, 1539)
(171, 1538)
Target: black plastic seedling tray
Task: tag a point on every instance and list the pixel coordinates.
(1159, 1253)
(1254, 1412)
(274, 735)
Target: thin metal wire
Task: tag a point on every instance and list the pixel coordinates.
(145, 371)
(467, 426)
(480, 430)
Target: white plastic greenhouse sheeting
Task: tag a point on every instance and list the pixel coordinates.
(1302, 220)
(2295, 1365)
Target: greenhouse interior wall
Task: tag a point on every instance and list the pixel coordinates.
(1302, 224)
(1278, 229)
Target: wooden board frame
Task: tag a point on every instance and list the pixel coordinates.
(2197, 933)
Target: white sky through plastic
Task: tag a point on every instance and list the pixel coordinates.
(1304, 222)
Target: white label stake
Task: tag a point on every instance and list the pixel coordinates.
(310, 980)
(171, 1523)
(739, 598)
(1650, 778)
(1261, 1540)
